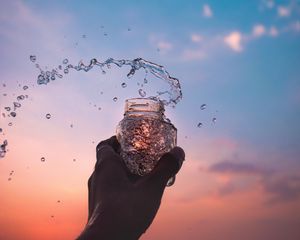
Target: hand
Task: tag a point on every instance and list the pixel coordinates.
(123, 205)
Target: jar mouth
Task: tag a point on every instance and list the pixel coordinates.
(144, 105)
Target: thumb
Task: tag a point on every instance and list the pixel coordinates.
(167, 167)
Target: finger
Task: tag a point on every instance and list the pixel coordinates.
(167, 167)
(113, 142)
(91, 196)
(110, 169)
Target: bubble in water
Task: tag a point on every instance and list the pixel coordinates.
(124, 85)
(115, 99)
(203, 106)
(13, 114)
(25, 87)
(65, 61)
(200, 125)
(32, 58)
(7, 109)
(48, 115)
(43, 159)
(214, 120)
(142, 93)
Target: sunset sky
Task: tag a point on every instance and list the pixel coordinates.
(241, 177)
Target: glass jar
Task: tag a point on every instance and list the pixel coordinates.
(145, 134)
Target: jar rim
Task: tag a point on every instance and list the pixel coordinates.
(144, 105)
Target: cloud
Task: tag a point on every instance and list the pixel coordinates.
(258, 30)
(196, 38)
(234, 168)
(282, 188)
(296, 26)
(233, 40)
(164, 46)
(206, 11)
(193, 54)
(273, 31)
(279, 187)
(283, 11)
(270, 3)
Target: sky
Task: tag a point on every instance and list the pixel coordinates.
(241, 177)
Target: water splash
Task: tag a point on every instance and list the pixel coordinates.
(174, 94)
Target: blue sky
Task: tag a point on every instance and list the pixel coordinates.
(241, 58)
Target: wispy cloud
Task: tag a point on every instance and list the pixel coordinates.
(235, 168)
(164, 46)
(234, 41)
(283, 11)
(196, 38)
(258, 30)
(279, 187)
(273, 31)
(207, 11)
(193, 54)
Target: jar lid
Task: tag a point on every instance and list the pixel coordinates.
(144, 105)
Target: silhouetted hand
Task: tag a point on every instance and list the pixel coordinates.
(122, 205)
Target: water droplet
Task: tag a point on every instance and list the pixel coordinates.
(124, 85)
(214, 120)
(32, 58)
(71, 125)
(9, 179)
(4, 94)
(99, 108)
(58, 201)
(21, 97)
(83, 36)
(13, 114)
(203, 106)
(17, 105)
(101, 93)
(129, 29)
(115, 99)
(142, 93)
(52, 216)
(145, 80)
(48, 115)
(60, 67)
(4, 85)
(74, 160)
(66, 71)
(25, 87)
(65, 61)
(200, 125)
(1, 130)
(105, 34)
(7, 108)
(43, 159)
(10, 124)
